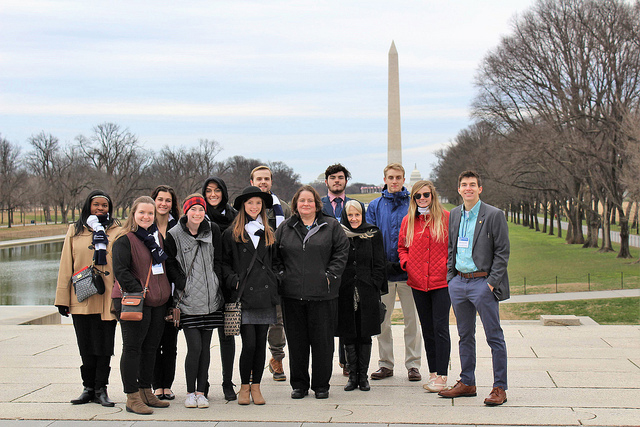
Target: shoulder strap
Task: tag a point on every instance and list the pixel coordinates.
(244, 280)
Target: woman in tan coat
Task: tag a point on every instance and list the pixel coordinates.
(88, 243)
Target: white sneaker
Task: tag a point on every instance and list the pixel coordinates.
(202, 401)
(191, 401)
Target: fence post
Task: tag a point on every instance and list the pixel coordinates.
(589, 280)
(556, 284)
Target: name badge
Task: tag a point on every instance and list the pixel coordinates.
(463, 242)
(157, 269)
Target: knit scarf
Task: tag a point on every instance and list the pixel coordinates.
(423, 211)
(277, 210)
(97, 223)
(150, 239)
(255, 230)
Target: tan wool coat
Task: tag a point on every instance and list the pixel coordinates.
(75, 256)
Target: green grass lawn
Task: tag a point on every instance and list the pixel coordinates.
(613, 311)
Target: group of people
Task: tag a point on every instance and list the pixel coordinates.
(320, 268)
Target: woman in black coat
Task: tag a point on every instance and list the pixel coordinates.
(363, 281)
(248, 252)
(312, 253)
(220, 212)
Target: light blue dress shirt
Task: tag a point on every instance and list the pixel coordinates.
(468, 220)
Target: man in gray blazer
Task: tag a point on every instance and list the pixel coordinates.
(477, 277)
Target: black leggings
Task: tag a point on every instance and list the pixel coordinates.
(196, 364)
(254, 348)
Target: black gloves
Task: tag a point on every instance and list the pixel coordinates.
(63, 310)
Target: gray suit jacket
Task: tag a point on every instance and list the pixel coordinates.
(490, 250)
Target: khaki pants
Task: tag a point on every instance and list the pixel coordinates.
(412, 338)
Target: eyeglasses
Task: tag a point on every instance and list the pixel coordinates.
(419, 196)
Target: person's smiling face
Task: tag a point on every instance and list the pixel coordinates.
(99, 206)
(469, 190)
(163, 202)
(213, 194)
(253, 206)
(144, 215)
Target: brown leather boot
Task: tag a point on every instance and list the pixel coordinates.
(151, 399)
(136, 405)
(256, 395)
(244, 397)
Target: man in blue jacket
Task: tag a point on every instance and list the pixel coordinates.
(386, 212)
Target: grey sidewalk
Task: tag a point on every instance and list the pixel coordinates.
(580, 375)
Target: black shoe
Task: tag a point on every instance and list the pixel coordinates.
(87, 396)
(299, 393)
(322, 394)
(168, 396)
(103, 398)
(229, 392)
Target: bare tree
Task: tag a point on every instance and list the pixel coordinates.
(13, 178)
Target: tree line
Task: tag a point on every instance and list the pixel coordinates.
(557, 120)
(57, 177)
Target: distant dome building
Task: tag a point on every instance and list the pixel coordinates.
(415, 177)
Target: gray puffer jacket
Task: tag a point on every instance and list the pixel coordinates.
(195, 272)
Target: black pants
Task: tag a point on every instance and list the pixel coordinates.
(253, 355)
(165, 368)
(433, 310)
(310, 327)
(196, 364)
(139, 344)
(227, 354)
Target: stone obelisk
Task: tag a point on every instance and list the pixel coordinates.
(394, 153)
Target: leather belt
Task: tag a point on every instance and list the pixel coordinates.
(473, 275)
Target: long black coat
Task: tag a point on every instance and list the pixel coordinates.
(261, 286)
(366, 271)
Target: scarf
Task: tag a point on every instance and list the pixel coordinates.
(223, 217)
(255, 230)
(423, 211)
(100, 241)
(150, 239)
(277, 210)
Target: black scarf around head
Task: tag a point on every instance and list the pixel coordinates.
(150, 242)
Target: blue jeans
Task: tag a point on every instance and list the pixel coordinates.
(467, 297)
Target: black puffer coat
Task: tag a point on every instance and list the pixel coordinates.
(311, 262)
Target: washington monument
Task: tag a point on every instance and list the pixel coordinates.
(394, 153)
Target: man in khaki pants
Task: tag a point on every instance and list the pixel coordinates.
(386, 212)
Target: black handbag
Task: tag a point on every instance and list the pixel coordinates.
(383, 311)
(83, 283)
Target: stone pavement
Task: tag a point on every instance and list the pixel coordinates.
(559, 376)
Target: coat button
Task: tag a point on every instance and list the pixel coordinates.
(355, 263)
(263, 267)
(244, 250)
(251, 288)
(266, 286)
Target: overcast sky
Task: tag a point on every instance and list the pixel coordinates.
(303, 82)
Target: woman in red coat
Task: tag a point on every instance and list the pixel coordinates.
(423, 246)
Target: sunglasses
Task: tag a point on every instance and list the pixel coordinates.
(419, 196)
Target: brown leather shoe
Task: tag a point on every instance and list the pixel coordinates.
(459, 390)
(382, 373)
(497, 397)
(414, 375)
(275, 367)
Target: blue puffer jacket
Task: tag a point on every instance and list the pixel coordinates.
(386, 212)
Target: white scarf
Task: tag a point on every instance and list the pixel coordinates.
(94, 223)
(251, 227)
(423, 211)
(277, 210)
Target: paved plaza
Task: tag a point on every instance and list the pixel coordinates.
(559, 376)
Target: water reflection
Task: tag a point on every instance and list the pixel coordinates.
(28, 274)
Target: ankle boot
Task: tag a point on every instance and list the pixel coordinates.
(244, 397)
(364, 356)
(256, 395)
(103, 398)
(352, 363)
(150, 399)
(136, 405)
(86, 396)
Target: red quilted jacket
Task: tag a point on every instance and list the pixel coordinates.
(425, 261)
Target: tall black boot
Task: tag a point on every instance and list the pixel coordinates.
(352, 363)
(227, 354)
(364, 356)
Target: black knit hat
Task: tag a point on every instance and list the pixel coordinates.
(250, 192)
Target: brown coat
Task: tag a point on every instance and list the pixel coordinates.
(75, 256)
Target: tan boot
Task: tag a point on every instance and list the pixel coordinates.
(151, 399)
(256, 395)
(136, 405)
(244, 397)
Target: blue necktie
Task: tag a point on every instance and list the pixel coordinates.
(338, 210)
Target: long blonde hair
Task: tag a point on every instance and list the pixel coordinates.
(435, 221)
(239, 233)
(130, 224)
